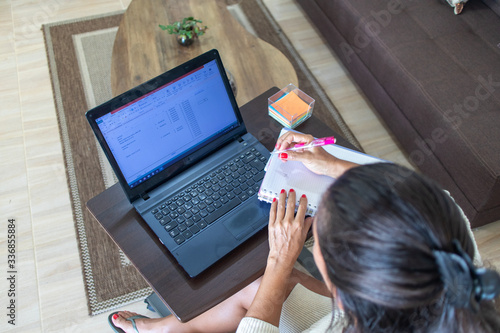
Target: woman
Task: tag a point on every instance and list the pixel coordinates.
(393, 249)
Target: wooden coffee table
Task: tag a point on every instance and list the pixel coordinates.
(189, 297)
(142, 50)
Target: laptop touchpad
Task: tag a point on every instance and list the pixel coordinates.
(242, 223)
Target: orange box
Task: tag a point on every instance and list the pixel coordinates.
(290, 106)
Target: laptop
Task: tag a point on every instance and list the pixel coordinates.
(181, 152)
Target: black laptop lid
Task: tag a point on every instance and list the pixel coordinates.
(160, 128)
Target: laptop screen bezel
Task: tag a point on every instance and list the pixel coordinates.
(185, 162)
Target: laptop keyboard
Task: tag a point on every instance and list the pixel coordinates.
(193, 209)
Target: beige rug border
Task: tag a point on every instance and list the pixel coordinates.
(95, 307)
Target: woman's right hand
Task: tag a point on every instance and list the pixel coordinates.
(315, 159)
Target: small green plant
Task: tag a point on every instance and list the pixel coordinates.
(187, 28)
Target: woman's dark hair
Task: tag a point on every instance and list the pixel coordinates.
(398, 250)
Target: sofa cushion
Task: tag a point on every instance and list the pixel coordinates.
(494, 5)
(442, 71)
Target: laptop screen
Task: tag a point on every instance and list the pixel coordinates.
(158, 129)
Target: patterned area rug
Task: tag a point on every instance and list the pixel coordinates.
(79, 53)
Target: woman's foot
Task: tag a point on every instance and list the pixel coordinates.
(125, 320)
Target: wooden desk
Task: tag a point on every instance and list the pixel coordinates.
(184, 296)
(142, 50)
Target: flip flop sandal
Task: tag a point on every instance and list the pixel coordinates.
(131, 319)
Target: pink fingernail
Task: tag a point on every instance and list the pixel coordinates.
(283, 156)
(274, 199)
(303, 195)
(283, 191)
(292, 190)
(115, 316)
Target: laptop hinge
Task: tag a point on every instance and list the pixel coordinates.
(240, 139)
(144, 196)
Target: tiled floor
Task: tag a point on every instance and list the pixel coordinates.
(49, 286)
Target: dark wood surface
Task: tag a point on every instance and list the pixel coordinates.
(188, 297)
(142, 50)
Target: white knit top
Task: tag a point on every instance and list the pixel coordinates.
(303, 311)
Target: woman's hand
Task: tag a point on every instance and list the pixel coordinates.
(287, 231)
(287, 234)
(315, 159)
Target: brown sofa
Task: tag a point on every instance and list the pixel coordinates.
(434, 78)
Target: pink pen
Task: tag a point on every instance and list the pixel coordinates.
(315, 143)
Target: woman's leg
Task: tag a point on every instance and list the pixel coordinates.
(224, 317)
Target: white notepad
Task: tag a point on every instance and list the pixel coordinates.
(294, 175)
